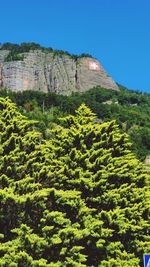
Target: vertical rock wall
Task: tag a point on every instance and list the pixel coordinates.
(48, 72)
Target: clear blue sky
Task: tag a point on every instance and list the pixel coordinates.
(116, 32)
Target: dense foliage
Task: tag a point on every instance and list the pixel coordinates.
(77, 199)
(16, 51)
(130, 109)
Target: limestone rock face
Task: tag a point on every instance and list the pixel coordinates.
(49, 72)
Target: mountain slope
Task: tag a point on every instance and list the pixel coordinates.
(130, 109)
(29, 66)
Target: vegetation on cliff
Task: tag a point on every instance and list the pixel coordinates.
(77, 199)
(16, 51)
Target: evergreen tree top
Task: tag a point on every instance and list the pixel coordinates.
(78, 199)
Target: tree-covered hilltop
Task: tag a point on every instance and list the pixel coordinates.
(17, 50)
(79, 198)
(130, 109)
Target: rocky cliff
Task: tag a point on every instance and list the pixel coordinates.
(49, 72)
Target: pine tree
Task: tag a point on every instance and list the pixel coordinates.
(97, 162)
(79, 199)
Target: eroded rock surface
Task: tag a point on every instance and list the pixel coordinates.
(48, 72)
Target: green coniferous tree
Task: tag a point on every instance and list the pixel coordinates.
(79, 199)
(97, 162)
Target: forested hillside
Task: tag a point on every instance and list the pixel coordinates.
(130, 109)
(77, 198)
